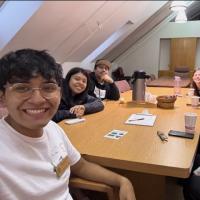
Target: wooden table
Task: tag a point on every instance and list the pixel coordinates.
(140, 150)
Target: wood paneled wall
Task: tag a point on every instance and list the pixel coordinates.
(183, 52)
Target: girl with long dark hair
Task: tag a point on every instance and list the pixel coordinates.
(75, 100)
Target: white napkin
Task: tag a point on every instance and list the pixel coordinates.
(150, 98)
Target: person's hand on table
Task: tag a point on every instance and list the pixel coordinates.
(78, 110)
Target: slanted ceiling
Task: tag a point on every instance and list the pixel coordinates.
(1, 3)
(71, 30)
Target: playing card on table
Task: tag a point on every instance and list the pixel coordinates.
(115, 134)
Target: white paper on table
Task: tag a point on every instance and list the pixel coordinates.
(147, 120)
(74, 120)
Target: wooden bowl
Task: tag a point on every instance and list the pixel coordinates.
(166, 101)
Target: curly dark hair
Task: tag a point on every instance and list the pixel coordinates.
(24, 64)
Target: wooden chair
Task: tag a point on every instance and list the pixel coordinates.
(112, 193)
(182, 71)
(122, 85)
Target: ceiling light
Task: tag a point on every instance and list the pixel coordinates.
(178, 6)
(181, 17)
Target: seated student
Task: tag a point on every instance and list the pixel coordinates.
(196, 82)
(102, 85)
(118, 74)
(36, 155)
(191, 188)
(75, 101)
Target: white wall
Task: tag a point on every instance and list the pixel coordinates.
(145, 53)
(69, 65)
(164, 59)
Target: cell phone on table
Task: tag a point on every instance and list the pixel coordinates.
(181, 134)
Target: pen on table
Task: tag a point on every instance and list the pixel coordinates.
(144, 114)
(135, 119)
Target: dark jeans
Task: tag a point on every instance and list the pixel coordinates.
(191, 188)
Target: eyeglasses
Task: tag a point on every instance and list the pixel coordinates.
(24, 90)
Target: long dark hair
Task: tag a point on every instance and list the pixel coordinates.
(194, 85)
(67, 93)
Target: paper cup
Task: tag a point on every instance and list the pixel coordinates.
(191, 92)
(190, 122)
(194, 101)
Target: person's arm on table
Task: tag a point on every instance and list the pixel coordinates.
(63, 114)
(93, 105)
(112, 91)
(94, 172)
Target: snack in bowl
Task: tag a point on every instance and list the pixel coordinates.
(166, 101)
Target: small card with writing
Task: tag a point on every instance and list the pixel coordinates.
(115, 134)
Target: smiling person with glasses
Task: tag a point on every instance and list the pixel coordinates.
(102, 85)
(25, 90)
(36, 156)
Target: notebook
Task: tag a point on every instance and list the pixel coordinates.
(141, 119)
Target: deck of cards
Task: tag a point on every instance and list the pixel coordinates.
(115, 134)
